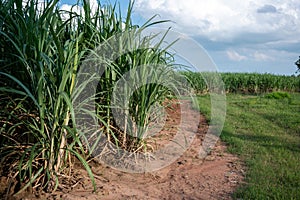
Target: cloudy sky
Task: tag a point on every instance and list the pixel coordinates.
(240, 36)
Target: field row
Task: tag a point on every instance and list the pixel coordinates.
(251, 83)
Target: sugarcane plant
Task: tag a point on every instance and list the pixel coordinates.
(42, 48)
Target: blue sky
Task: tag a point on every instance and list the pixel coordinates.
(240, 36)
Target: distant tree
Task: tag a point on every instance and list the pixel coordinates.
(298, 65)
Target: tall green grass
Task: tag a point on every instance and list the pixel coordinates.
(250, 83)
(42, 49)
(140, 79)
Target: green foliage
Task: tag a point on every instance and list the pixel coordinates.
(297, 63)
(264, 132)
(131, 74)
(278, 95)
(41, 51)
(248, 83)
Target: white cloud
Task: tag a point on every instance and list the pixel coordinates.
(235, 30)
(78, 9)
(261, 56)
(235, 56)
(65, 7)
(223, 20)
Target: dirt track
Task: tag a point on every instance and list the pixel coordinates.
(214, 177)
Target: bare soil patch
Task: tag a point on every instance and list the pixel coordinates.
(214, 177)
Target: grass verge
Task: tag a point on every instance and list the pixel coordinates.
(265, 133)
